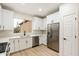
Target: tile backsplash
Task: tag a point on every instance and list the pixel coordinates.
(41, 32)
(8, 33)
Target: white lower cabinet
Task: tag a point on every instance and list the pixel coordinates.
(20, 44)
(43, 39)
(7, 22)
(12, 49)
(16, 45)
(23, 43)
(29, 43)
(40, 40)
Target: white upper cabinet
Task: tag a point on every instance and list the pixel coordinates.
(0, 18)
(38, 24)
(44, 24)
(53, 18)
(7, 20)
(43, 39)
(35, 24)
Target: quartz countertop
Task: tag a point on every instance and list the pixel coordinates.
(34, 35)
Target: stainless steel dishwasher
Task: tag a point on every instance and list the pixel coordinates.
(35, 41)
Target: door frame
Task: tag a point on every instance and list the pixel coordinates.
(61, 36)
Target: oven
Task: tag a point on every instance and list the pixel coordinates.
(4, 48)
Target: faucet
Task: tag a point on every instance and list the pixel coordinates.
(24, 33)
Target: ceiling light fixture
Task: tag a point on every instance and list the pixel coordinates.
(40, 9)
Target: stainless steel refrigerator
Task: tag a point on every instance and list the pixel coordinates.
(53, 36)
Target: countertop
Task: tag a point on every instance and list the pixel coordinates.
(7, 38)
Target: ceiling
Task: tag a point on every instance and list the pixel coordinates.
(33, 9)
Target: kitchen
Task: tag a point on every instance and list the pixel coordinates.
(38, 30)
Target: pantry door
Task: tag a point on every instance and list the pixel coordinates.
(70, 41)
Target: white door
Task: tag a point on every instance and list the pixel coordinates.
(70, 42)
(12, 45)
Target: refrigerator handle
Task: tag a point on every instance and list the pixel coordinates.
(49, 34)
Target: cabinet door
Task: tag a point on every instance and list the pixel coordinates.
(70, 42)
(40, 24)
(29, 43)
(40, 40)
(45, 40)
(17, 47)
(12, 45)
(35, 24)
(45, 24)
(7, 17)
(23, 43)
(0, 19)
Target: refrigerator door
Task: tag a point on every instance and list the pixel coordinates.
(49, 36)
(49, 41)
(53, 37)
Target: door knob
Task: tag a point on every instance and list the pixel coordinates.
(64, 38)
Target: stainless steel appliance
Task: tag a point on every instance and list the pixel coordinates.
(35, 41)
(4, 48)
(53, 36)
